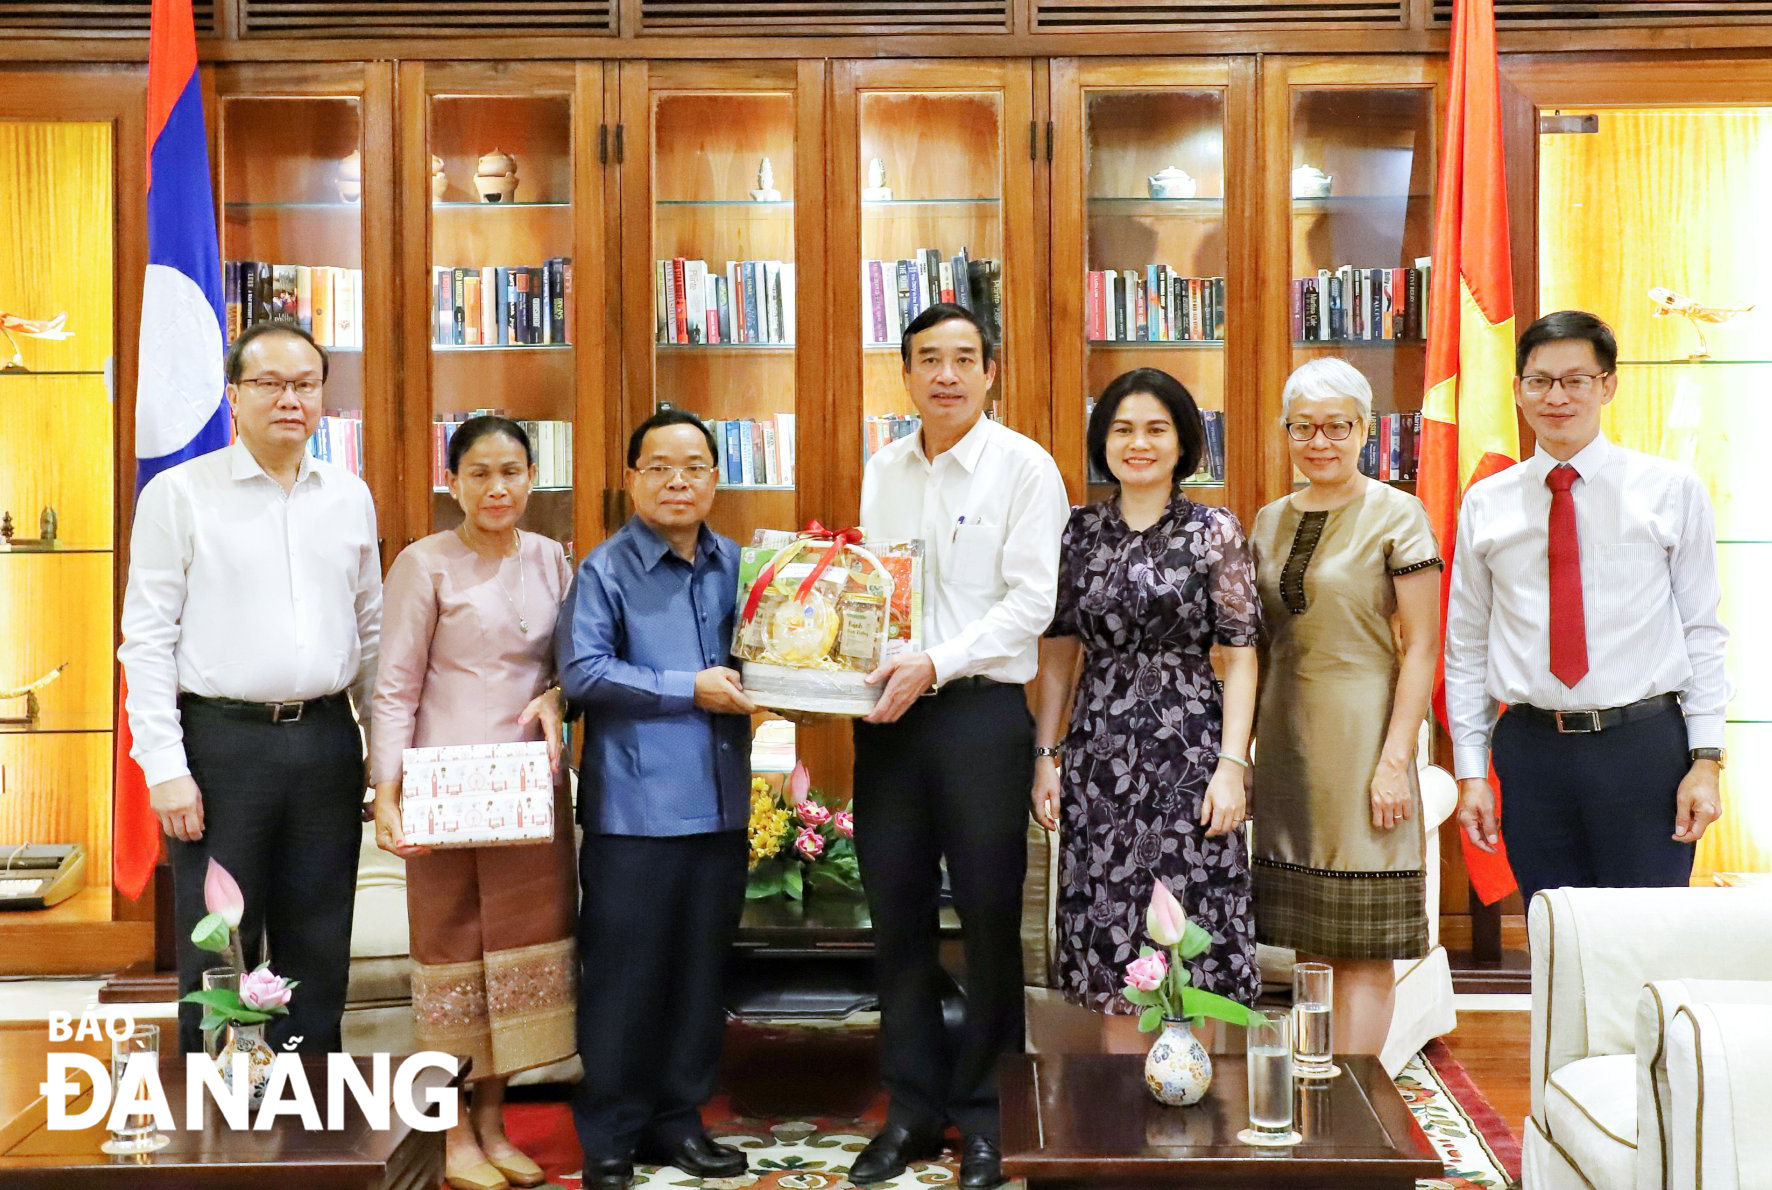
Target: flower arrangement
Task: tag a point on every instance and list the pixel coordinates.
(262, 994)
(1159, 983)
(800, 842)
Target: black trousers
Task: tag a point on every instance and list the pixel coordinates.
(951, 778)
(1592, 810)
(656, 920)
(282, 812)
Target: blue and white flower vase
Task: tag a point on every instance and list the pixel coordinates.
(1178, 1070)
(248, 1040)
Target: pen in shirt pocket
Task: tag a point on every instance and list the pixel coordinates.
(955, 537)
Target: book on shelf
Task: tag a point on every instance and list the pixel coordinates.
(503, 306)
(1211, 468)
(884, 429)
(339, 439)
(1391, 451)
(1357, 304)
(753, 452)
(324, 300)
(1153, 305)
(550, 444)
(749, 301)
(894, 292)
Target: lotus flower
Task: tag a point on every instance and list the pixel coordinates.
(222, 896)
(799, 784)
(1147, 974)
(844, 821)
(1164, 920)
(812, 814)
(809, 843)
(264, 991)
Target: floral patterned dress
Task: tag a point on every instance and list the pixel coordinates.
(1148, 606)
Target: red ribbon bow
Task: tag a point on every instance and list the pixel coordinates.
(839, 539)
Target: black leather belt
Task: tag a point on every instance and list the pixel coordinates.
(269, 712)
(1588, 722)
(975, 682)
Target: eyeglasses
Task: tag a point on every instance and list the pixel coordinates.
(1578, 384)
(1304, 431)
(270, 386)
(661, 474)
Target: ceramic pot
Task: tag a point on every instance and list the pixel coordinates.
(1178, 1070)
(1310, 182)
(248, 1040)
(1172, 182)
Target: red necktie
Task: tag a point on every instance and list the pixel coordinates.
(1568, 622)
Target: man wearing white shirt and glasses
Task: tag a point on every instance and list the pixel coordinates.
(947, 775)
(250, 626)
(1584, 600)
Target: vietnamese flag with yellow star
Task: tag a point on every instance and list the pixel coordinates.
(1468, 429)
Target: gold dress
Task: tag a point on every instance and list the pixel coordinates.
(1327, 882)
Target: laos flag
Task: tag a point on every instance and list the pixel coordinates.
(180, 409)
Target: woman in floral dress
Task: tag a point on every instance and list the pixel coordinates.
(1149, 783)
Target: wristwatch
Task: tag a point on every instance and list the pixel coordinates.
(1715, 754)
(1055, 751)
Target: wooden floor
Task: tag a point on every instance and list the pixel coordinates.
(1493, 1048)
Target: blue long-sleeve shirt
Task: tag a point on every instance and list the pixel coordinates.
(638, 625)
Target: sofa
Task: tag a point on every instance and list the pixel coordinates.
(1651, 1040)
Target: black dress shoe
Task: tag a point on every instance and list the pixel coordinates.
(888, 1153)
(701, 1156)
(608, 1173)
(981, 1165)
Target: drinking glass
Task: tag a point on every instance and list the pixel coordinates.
(138, 1134)
(1270, 1080)
(1313, 1028)
(224, 979)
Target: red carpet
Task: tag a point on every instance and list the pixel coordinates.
(1501, 1139)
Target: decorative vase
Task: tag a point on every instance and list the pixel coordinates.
(1178, 1070)
(496, 177)
(248, 1040)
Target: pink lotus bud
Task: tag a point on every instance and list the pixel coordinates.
(222, 896)
(263, 990)
(1147, 974)
(799, 784)
(844, 821)
(812, 814)
(809, 843)
(1165, 920)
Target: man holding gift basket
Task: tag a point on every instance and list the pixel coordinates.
(644, 646)
(947, 775)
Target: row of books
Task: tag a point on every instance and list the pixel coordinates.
(1391, 450)
(755, 451)
(550, 442)
(884, 430)
(1153, 305)
(1211, 468)
(753, 302)
(498, 306)
(893, 292)
(323, 300)
(340, 440)
(1361, 304)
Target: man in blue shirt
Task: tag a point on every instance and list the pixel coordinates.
(644, 649)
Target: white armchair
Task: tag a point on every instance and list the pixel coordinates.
(1651, 1042)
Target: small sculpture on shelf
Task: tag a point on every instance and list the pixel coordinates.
(1310, 182)
(439, 180)
(30, 328)
(48, 524)
(1172, 182)
(876, 190)
(765, 191)
(28, 692)
(1668, 302)
(6, 527)
(350, 177)
(496, 177)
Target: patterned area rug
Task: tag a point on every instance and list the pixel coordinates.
(813, 1153)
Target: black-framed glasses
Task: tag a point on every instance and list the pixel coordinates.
(661, 474)
(1576, 384)
(271, 387)
(1304, 431)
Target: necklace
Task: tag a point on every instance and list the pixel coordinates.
(522, 599)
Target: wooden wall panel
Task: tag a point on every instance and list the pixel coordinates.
(58, 791)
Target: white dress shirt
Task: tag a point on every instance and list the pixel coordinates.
(990, 512)
(1649, 594)
(238, 589)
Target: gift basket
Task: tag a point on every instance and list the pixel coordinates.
(821, 609)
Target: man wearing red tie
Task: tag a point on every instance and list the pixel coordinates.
(1584, 601)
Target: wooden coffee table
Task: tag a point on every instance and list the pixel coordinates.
(1073, 1120)
(353, 1158)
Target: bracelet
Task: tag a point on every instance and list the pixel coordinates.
(1055, 751)
(1236, 760)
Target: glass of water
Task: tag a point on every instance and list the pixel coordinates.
(1270, 1079)
(1313, 1030)
(138, 1134)
(224, 979)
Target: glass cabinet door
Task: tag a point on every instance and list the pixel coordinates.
(1360, 187)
